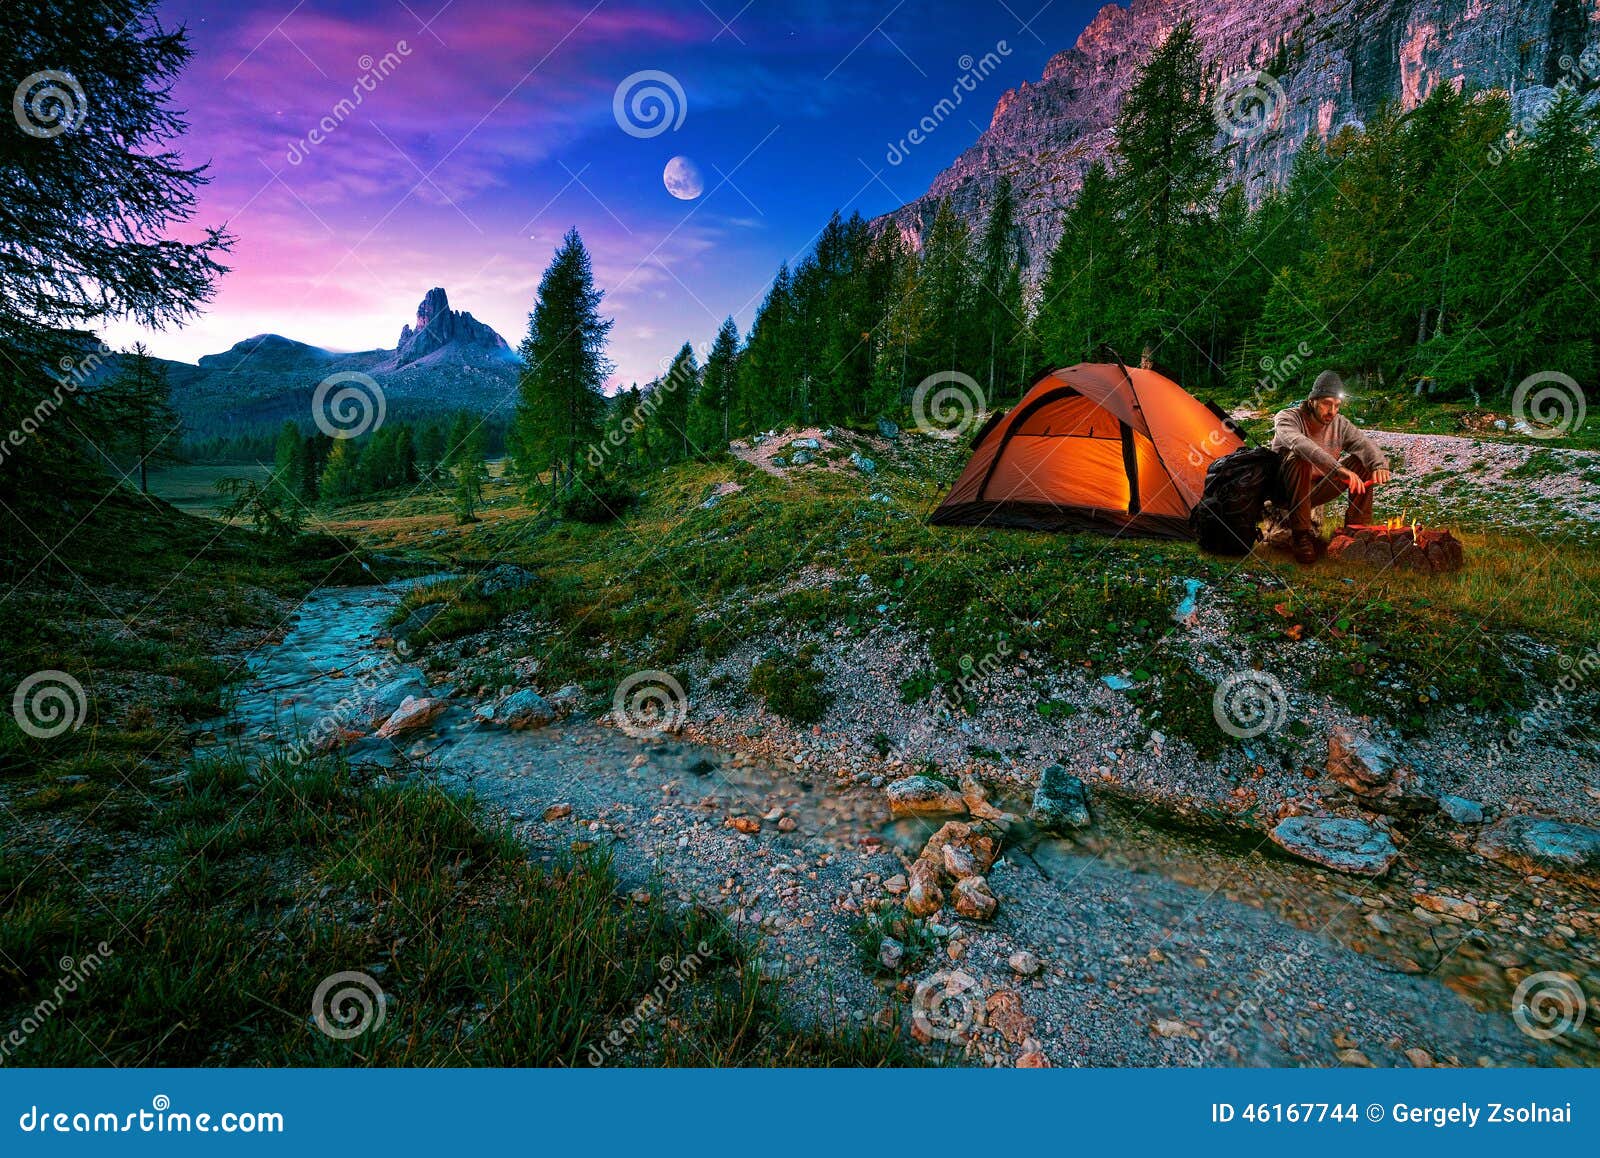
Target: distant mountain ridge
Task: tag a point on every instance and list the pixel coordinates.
(448, 361)
(1322, 63)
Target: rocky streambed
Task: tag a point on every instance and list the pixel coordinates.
(1150, 935)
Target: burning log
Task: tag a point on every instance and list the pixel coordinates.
(1399, 544)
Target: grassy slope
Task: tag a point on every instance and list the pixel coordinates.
(225, 895)
(676, 584)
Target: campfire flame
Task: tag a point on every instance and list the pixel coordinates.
(1398, 523)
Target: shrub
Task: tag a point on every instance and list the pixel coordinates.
(791, 686)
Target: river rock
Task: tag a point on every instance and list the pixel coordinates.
(1461, 810)
(524, 708)
(887, 429)
(1024, 963)
(973, 899)
(381, 704)
(962, 849)
(924, 796)
(1377, 776)
(1347, 846)
(1547, 846)
(891, 953)
(567, 698)
(923, 894)
(862, 463)
(1061, 802)
(413, 713)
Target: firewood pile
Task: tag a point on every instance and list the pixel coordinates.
(1397, 544)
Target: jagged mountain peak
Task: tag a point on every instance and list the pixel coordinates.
(1331, 63)
(438, 326)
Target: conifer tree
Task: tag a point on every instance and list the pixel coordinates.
(560, 405)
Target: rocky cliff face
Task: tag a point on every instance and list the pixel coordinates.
(1282, 71)
(438, 326)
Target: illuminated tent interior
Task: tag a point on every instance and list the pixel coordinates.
(1095, 446)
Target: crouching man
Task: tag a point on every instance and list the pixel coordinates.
(1324, 455)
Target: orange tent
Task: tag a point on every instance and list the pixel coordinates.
(1094, 446)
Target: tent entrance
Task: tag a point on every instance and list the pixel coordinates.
(1065, 449)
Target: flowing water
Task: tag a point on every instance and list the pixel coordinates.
(1162, 944)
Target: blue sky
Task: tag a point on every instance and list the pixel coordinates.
(472, 135)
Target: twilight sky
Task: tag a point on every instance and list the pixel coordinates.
(485, 130)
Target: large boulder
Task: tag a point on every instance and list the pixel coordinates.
(1553, 847)
(1060, 803)
(1377, 776)
(1346, 846)
(924, 796)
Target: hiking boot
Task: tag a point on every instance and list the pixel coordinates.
(1305, 548)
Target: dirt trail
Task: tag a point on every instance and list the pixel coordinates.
(1158, 946)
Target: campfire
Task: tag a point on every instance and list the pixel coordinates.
(1397, 543)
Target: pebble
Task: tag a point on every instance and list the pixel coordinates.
(1024, 963)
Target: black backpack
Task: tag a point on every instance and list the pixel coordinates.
(1226, 520)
